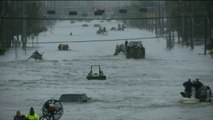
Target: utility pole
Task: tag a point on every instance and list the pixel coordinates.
(24, 39)
(15, 42)
(210, 29)
(2, 14)
(205, 34)
(191, 26)
(210, 13)
(184, 25)
(157, 18)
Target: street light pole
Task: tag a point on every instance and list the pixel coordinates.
(24, 40)
(205, 35)
(191, 26)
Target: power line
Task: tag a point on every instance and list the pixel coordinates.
(103, 40)
(94, 18)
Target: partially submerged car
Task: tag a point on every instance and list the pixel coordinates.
(97, 75)
(74, 98)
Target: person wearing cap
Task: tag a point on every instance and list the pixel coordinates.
(32, 115)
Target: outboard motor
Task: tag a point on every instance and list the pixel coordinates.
(205, 94)
(52, 110)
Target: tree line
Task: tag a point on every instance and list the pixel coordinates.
(192, 20)
(13, 22)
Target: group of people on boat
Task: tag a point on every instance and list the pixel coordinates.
(63, 46)
(121, 27)
(102, 29)
(197, 90)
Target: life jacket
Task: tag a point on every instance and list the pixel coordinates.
(32, 117)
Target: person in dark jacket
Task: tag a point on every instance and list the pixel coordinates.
(188, 88)
(18, 116)
(197, 85)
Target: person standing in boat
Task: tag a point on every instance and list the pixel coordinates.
(188, 88)
(18, 116)
(197, 85)
(32, 115)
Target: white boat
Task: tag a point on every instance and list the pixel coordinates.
(189, 100)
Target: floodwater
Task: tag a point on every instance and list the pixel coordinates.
(142, 89)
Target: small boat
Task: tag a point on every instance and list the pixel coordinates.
(36, 55)
(203, 96)
(189, 100)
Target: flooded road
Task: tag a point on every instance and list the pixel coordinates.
(135, 89)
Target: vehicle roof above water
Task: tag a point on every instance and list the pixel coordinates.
(72, 97)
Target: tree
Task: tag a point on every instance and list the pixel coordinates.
(11, 20)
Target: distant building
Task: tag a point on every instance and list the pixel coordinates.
(83, 8)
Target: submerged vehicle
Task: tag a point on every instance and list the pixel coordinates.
(74, 98)
(97, 75)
